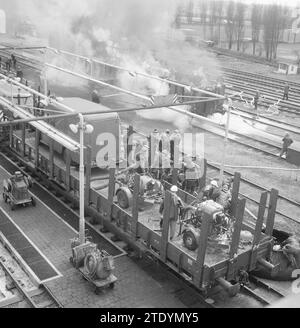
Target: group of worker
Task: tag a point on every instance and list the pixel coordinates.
(221, 194)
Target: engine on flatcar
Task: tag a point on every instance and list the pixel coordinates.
(192, 220)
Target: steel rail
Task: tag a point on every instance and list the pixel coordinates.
(17, 285)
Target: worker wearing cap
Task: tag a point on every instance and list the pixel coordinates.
(224, 197)
(287, 142)
(175, 205)
(175, 141)
(212, 191)
(155, 142)
(191, 175)
(286, 91)
(166, 141)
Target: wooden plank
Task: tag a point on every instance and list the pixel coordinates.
(165, 228)
(135, 205)
(202, 182)
(111, 191)
(23, 140)
(271, 212)
(260, 218)
(235, 193)
(199, 266)
(37, 147)
(88, 173)
(236, 239)
(11, 136)
(258, 229)
(51, 159)
(129, 147)
(68, 169)
(237, 228)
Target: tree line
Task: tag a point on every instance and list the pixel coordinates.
(267, 22)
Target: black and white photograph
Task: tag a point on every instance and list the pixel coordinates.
(149, 157)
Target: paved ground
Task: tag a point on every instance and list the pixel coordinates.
(141, 283)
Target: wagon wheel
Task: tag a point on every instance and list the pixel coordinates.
(190, 241)
(123, 199)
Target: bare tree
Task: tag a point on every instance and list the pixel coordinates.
(274, 22)
(203, 15)
(256, 22)
(219, 13)
(230, 23)
(178, 14)
(239, 18)
(212, 18)
(190, 11)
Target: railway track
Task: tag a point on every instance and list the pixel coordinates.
(41, 297)
(262, 291)
(247, 141)
(251, 190)
(271, 88)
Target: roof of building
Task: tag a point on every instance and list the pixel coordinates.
(80, 105)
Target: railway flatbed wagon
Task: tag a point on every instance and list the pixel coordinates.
(209, 264)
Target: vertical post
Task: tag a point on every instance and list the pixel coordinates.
(88, 173)
(23, 140)
(39, 98)
(11, 136)
(235, 241)
(45, 84)
(165, 228)
(51, 159)
(271, 212)
(68, 169)
(111, 190)
(258, 229)
(129, 147)
(135, 205)
(235, 193)
(199, 266)
(202, 182)
(260, 217)
(225, 144)
(91, 67)
(19, 96)
(37, 148)
(81, 183)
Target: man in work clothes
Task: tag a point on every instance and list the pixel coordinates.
(96, 97)
(287, 142)
(175, 205)
(286, 91)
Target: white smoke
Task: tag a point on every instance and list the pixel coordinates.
(136, 34)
